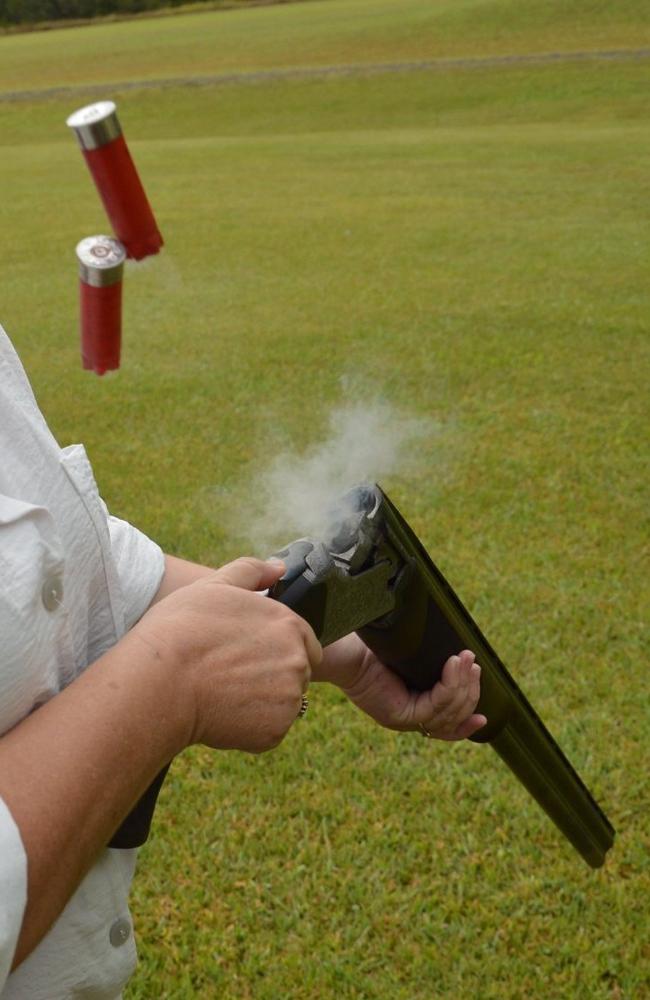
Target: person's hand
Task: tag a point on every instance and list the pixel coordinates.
(446, 711)
(238, 663)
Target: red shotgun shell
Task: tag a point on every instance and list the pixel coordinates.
(100, 136)
(101, 263)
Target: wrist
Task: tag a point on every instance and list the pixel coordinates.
(342, 662)
(158, 688)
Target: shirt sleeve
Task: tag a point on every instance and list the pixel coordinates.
(140, 567)
(13, 889)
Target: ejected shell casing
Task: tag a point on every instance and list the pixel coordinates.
(104, 148)
(101, 265)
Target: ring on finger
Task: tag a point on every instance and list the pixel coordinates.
(304, 705)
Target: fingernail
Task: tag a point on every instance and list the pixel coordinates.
(273, 561)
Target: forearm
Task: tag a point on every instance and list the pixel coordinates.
(179, 573)
(72, 770)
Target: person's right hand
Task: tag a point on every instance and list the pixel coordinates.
(238, 662)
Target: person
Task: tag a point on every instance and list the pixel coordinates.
(114, 658)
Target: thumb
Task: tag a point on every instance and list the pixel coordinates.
(249, 573)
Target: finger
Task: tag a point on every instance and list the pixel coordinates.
(456, 670)
(467, 697)
(438, 710)
(445, 709)
(450, 677)
(458, 684)
(474, 687)
(249, 573)
(469, 727)
(467, 659)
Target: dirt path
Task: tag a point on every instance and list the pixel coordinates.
(324, 72)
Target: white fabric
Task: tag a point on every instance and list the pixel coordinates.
(55, 531)
(13, 888)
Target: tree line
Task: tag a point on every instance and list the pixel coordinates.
(33, 11)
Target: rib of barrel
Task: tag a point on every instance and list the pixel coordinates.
(438, 621)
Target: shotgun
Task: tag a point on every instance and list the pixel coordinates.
(370, 574)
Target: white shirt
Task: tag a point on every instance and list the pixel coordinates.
(73, 579)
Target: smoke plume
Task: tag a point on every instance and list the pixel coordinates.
(293, 493)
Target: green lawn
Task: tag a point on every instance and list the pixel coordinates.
(468, 248)
(321, 32)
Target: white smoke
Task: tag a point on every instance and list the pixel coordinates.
(293, 493)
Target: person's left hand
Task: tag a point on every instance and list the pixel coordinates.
(446, 711)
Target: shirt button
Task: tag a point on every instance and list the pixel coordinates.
(120, 932)
(52, 592)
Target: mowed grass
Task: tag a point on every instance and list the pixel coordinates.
(321, 32)
(467, 246)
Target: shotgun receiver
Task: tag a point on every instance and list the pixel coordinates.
(370, 574)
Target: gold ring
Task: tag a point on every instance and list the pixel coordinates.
(422, 729)
(304, 705)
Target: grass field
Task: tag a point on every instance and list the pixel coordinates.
(468, 246)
